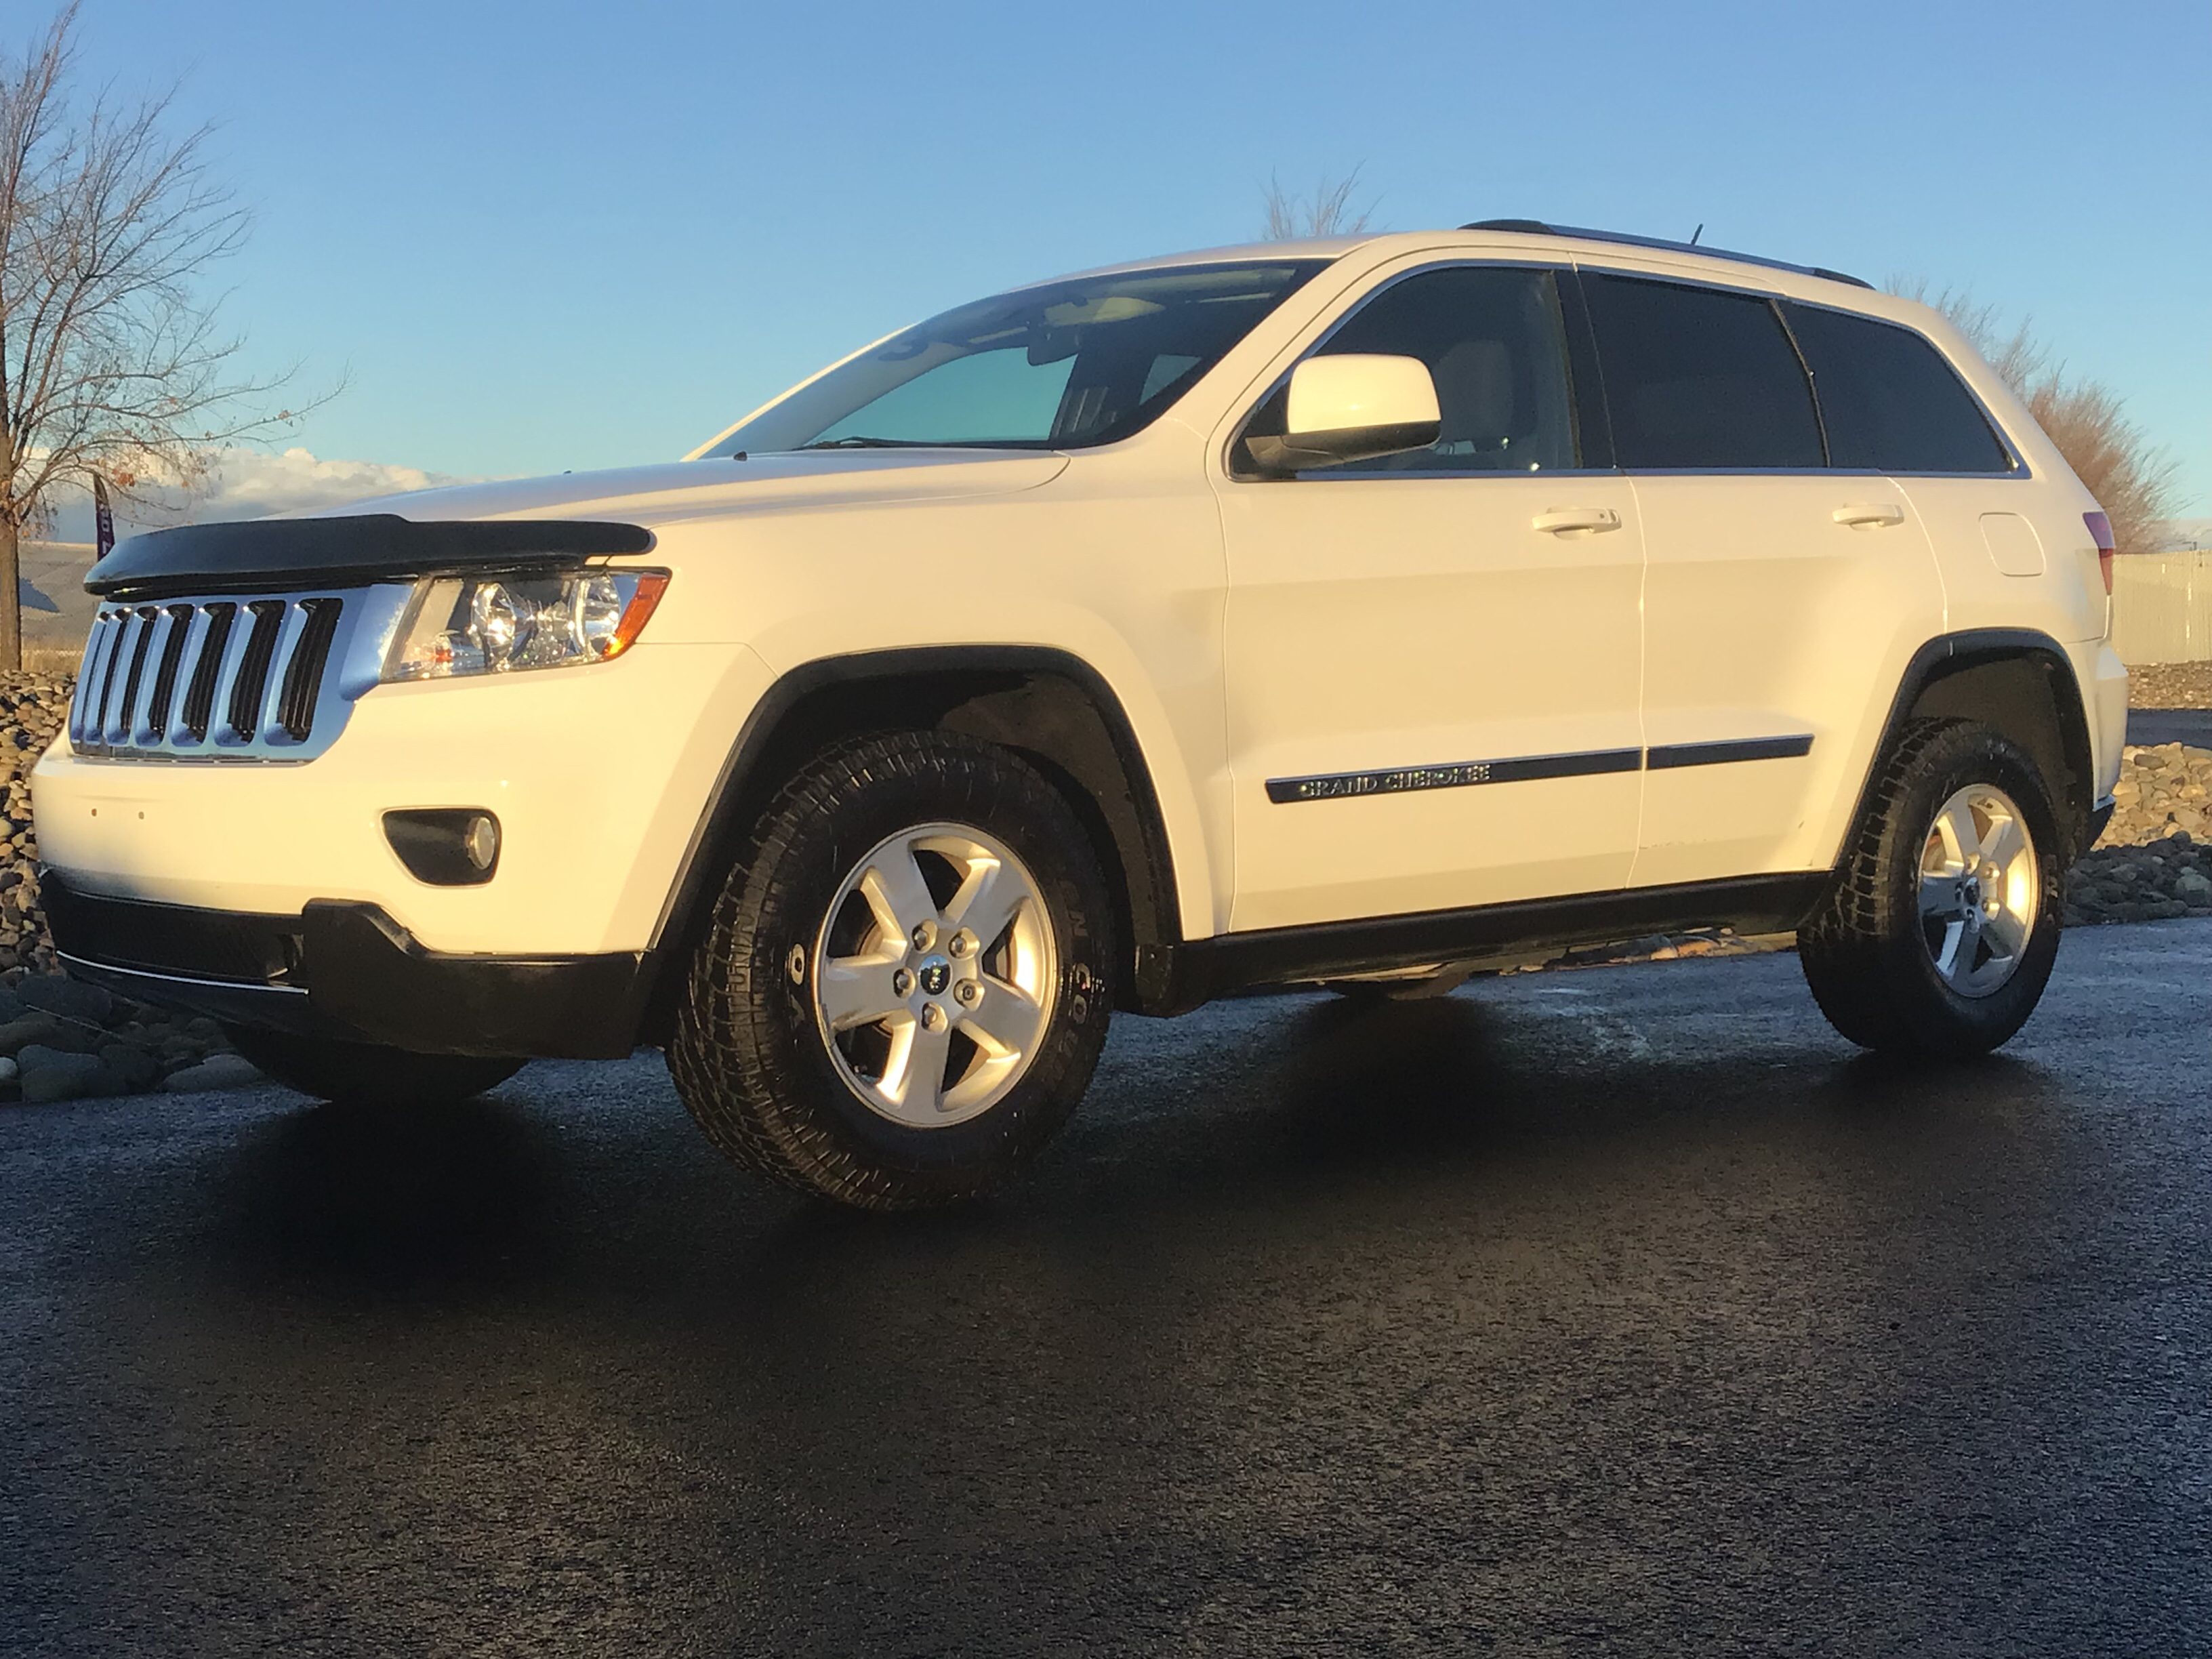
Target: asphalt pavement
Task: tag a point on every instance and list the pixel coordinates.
(1616, 1310)
(2191, 726)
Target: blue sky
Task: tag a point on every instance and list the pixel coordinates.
(564, 235)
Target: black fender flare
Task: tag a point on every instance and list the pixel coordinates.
(1134, 823)
(1949, 653)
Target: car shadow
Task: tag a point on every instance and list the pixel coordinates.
(394, 1195)
(1287, 1111)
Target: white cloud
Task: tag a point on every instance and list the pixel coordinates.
(249, 483)
(252, 484)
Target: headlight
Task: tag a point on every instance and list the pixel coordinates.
(496, 624)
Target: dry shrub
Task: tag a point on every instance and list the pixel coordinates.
(42, 657)
(2085, 419)
(1326, 212)
(2110, 455)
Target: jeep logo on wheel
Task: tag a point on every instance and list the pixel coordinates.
(936, 974)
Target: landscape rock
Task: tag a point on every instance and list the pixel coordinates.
(29, 1027)
(2163, 788)
(2171, 685)
(2168, 878)
(33, 707)
(51, 1074)
(216, 1072)
(135, 1069)
(68, 998)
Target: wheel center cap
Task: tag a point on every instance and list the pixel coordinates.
(935, 973)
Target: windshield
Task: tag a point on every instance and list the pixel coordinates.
(1066, 365)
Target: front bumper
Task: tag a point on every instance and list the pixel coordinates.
(598, 777)
(348, 971)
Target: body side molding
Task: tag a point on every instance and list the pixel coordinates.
(1522, 769)
(1727, 751)
(1452, 775)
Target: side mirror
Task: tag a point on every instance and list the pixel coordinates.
(1352, 408)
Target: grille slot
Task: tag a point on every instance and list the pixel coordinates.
(246, 691)
(303, 679)
(125, 721)
(90, 716)
(165, 676)
(199, 696)
(125, 627)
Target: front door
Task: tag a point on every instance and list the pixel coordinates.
(1433, 659)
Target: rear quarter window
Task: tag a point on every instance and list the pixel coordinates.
(1890, 401)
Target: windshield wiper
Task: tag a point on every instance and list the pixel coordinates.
(871, 443)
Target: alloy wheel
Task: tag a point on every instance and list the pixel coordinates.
(933, 975)
(1980, 887)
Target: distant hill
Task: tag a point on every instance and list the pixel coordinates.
(56, 610)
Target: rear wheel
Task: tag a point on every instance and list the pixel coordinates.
(365, 1072)
(1940, 932)
(904, 986)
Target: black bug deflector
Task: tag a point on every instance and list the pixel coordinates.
(274, 553)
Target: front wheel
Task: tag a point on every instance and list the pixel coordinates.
(1942, 926)
(365, 1074)
(905, 982)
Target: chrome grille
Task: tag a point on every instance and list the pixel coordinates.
(263, 678)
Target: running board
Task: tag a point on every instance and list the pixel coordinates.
(1173, 979)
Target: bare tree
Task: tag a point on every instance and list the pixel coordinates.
(1326, 212)
(110, 361)
(2088, 421)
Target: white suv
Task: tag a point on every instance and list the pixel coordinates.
(1368, 612)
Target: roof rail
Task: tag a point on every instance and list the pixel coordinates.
(1538, 227)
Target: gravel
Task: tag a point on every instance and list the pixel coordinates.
(31, 709)
(2154, 861)
(60, 1040)
(2171, 685)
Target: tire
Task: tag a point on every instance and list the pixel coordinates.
(364, 1073)
(1952, 965)
(805, 935)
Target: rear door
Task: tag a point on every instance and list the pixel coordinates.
(1781, 599)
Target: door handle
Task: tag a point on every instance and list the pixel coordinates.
(1566, 521)
(1869, 515)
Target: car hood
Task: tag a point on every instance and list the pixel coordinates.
(577, 514)
(663, 494)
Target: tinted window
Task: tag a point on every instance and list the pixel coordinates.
(1061, 366)
(1889, 400)
(1697, 378)
(1492, 341)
